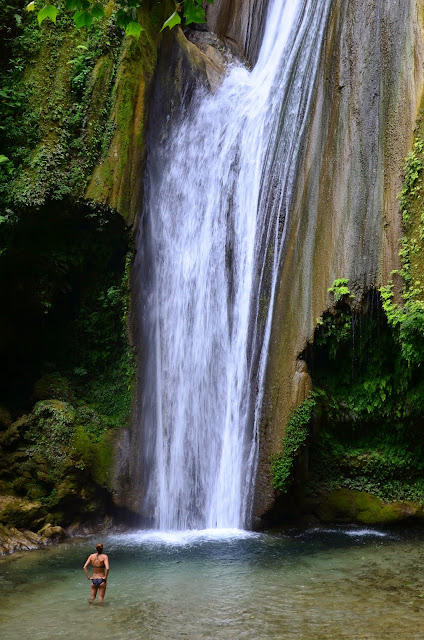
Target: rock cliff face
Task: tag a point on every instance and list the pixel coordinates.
(345, 219)
(239, 23)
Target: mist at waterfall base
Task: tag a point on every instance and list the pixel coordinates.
(219, 183)
(321, 584)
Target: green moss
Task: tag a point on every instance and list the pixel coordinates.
(21, 513)
(371, 426)
(66, 98)
(295, 437)
(104, 458)
(115, 178)
(350, 506)
(52, 385)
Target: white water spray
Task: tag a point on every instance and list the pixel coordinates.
(219, 189)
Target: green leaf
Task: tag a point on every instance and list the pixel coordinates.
(3, 158)
(122, 18)
(73, 5)
(83, 19)
(172, 21)
(30, 6)
(49, 11)
(133, 29)
(193, 13)
(97, 11)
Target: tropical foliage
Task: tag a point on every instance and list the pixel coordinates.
(85, 11)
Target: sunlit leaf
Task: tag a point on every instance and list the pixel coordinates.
(3, 158)
(133, 29)
(83, 19)
(97, 11)
(49, 11)
(30, 6)
(193, 12)
(172, 21)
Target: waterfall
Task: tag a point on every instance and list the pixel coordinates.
(219, 186)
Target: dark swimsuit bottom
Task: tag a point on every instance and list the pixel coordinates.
(97, 581)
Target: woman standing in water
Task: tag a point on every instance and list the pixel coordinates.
(100, 563)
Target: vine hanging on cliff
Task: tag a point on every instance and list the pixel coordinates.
(295, 437)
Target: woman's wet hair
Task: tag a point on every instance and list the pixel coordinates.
(99, 547)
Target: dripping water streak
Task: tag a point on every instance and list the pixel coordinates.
(219, 190)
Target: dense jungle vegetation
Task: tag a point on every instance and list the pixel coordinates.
(67, 367)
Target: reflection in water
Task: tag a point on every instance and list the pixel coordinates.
(317, 584)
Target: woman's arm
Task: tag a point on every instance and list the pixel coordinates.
(86, 565)
(106, 566)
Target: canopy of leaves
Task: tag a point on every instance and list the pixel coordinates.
(126, 16)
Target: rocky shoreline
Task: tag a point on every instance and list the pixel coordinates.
(24, 526)
(12, 539)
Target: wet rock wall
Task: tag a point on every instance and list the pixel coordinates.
(345, 219)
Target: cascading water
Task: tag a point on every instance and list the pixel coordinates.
(218, 191)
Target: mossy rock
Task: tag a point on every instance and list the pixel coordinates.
(55, 420)
(52, 386)
(21, 513)
(346, 505)
(5, 417)
(54, 464)
(15, 432)
(11, 539)
(51, 533)
(54, 409)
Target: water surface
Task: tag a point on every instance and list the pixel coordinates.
(356, 584)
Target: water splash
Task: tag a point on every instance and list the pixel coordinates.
(219, 188)
(185, 538)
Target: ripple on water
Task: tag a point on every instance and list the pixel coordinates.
(222, 586)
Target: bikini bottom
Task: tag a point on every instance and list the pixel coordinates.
(96, 582)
